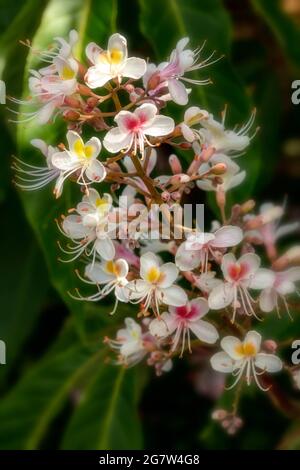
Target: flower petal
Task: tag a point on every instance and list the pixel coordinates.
(116, 140)
(228, 235)
(199, 307)
(262, 279)
(162, 125)
(204, 331)
(117, 42)
(221, 296)
(187, 259)
(268, 362)
(92, 52)
(173, 295)
(254, 338)
(178, 92)
(162, 326)
(267, 300)
(169, 274)
(148, 260)
(96, 78)
(72, 226)
(96, 273)
(232, 347)
(105, 248)
(221, 362)
(134, 68)
(95, 171)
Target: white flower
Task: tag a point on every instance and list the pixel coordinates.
(206, 281)
(156, 284)
(79, 159)
(112, 63)
(51, 85)
(31, 177)
(200, 246)
(112, 275)
(240, 275)
(90, 228)
(283, 284)
(233, 142)
(244, 358)
(182, 320)
(133, 129)
(171, 74)
(231, 178)
(129, 343)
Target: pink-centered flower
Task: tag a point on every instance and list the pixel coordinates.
(239, 275)
(244, 358)
(171, 74)
(135, 127)
(199, 247)
(180, 321)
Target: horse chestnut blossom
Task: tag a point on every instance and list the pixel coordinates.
(112, 63)
(244, 357)
(182, 320)
(134, 235)
(239, 276)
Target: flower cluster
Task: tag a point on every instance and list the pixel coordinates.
(126, 225)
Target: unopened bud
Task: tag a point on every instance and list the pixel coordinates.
(175, 164)
(219, 169)
(219, 415)
(270, 345)
(72, 102)
(84, 90)
(292, 256)
(248, 206)
(181, 178)
(185, 145)
(115, 167)
(92, 102)
(207, 153)
(129, 88)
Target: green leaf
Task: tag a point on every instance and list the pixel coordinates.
(24, 281)
(285, 30)
(106, 413)
(109, 396)
(93, 20)
(204, 21)
(27, 412)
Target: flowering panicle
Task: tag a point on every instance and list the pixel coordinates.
(135, 234)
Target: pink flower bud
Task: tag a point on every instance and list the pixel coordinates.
(219, 169)
(153, 81)
(165, 196)
(270, 345)
(219, 415)
(207, 153)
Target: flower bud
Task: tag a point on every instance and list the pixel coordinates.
(248, 206)
(153, 81)
(207, 153)
(180, 178)
(175, 164)
(71, 115)
(219, 169)
(219, 415)
(165, 196)
(270, 345)
(292, 256)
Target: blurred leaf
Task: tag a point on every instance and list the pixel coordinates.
(204, 21)
(92, 19)
(286, 31)
(291, 439)
(108, 397)
(106, 413)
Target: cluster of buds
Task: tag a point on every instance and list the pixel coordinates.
(138, 247)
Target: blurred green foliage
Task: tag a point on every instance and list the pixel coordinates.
(69, 398)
